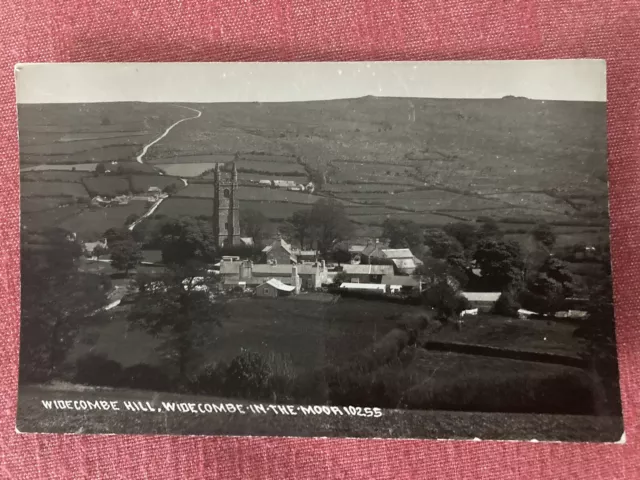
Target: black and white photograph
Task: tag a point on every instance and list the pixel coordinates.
(411, 250)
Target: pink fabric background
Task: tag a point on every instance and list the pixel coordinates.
(269, 30)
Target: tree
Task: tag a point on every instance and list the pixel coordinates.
(489, 229)
(170, 189)
(177, 304)
(115, 235)
(56, 300)
(543, 233)
(403, 234)
(299, 227)
(186, 240)
(340, 278)
(125, 255)
(501, 263)
(100, 168)
(341, 253)
(131, 218)
(329, 223)
(465, 233)
(548, 288)
(444, 299)
(507, 304)
(254, 224)
(441, 244)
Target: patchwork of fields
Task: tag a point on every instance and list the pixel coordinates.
(449, 160)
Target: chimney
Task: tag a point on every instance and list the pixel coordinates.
(295, 279)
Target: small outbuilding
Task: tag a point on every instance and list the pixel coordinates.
(274, 288)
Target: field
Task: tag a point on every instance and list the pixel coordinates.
(310, 331)
(107, 186)
(517, 160)
(256, 194)
(53, 189)
(87, 133)
(142, 183)
(522, 335)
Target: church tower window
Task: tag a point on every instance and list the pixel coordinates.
(226, 193)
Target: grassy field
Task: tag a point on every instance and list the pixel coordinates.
(142, 183)
(53, 189)
(93, 132)
(32, 417)
(309, 331)
(523, 335)
(507, 159)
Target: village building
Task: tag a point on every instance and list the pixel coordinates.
(367, 273)
(483, 301)
(248, 274)
(402, 259)
(284, 184)
(273, 288)
(279, 253)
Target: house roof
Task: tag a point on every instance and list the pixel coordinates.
(280, 242)
(368, 269)
(356, 248)
(397, 253)
(306, 269)
(481, 296)
(404, 263)
(306, 253)
(265, 269)
(247, 240)
(403, 281)
(277, 284)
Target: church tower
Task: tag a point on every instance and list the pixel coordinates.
(226, 208)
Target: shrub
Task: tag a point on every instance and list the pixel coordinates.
(211, 380)
(445, 300)
(507, 304)
(146, 377)
(248, 377)
(93, 369)
(131, 219)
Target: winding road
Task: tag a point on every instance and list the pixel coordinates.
(140, 157)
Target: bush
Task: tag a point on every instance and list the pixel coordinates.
(93, 369)
(248, 377)
(507, 304)
(131, 219)
(146, 377)
(211, 380)
(445, 300)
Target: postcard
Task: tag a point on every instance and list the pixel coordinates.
(356, 249)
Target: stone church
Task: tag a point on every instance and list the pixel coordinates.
(226, 208)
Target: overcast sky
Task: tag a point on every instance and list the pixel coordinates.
(285, 82)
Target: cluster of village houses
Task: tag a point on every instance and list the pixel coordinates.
(288, 185)
(373, 268)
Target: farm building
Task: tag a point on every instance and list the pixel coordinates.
(367, 273)
(274, 288)
(483, 301)
(402, 259)
(284, 184)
